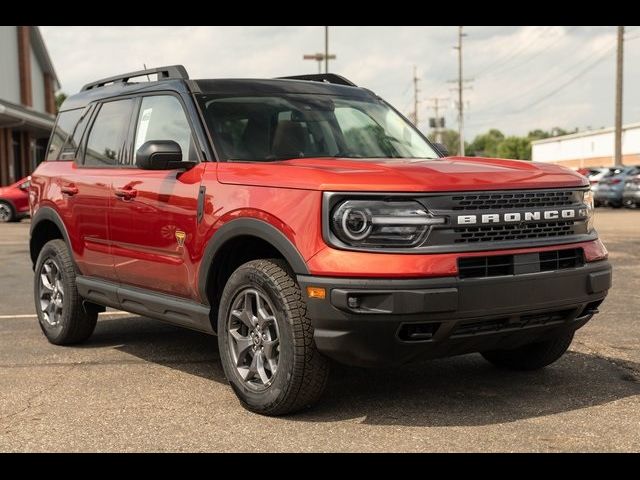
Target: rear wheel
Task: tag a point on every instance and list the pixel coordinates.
(6, 212)
(266, 340)
(62, 318)
(533, 356)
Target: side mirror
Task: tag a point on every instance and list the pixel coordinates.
(161, 155)
(442, 148)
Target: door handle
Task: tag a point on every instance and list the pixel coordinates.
(69, 189)
(125, 193)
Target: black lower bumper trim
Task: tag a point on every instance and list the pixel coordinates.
(370, 322)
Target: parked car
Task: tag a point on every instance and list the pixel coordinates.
(611, 187)
(14, 201)
(597, 174)
(303, 219)
(631, 192)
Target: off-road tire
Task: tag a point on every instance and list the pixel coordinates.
(533, 356)
(76, 325)
(302, 371)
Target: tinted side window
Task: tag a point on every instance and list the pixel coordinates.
(70, 148)
(105, 145)
(64, 126)
(162, 118)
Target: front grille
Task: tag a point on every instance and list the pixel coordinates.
(561, 259)
(513, 232)
(498, 201)
(495, 325)
(499, 265)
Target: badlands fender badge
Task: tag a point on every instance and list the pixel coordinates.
(180, 236)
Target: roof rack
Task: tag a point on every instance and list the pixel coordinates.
(164, 73)
(322, 77)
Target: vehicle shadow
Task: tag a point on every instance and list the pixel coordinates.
(460, 391)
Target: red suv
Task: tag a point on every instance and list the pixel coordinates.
(303, 219)
(14, 201)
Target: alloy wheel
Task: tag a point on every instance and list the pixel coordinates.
(51, 292)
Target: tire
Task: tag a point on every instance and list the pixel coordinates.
(301, 372)
(533, 356)
(66, 322)
(7, 213)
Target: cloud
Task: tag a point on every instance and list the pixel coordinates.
(512, 67)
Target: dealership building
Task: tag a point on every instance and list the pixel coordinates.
(28, 84)
(591, 148)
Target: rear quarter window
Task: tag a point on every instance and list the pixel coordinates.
(65, 125)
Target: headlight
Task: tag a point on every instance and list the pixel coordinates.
(587, 199)
(379, 223)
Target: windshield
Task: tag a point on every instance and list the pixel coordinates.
(285, 126)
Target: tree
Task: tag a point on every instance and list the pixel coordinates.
(450, 139)
(486, 144)
(518, 148)
(60, 98)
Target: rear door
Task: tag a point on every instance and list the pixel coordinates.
(153, 214)
(102, 154)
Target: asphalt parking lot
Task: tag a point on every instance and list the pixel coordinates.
(140, 385)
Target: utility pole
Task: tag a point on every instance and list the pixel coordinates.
(437, 122)
(619, 78)
(416, 92)
(322, 57)
(460, 89)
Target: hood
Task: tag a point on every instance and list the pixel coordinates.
(400, 175)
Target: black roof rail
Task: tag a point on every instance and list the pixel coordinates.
(164, 73)
(322, 77)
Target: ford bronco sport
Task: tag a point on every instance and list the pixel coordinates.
(303, 219)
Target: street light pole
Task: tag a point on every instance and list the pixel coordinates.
(619, 78)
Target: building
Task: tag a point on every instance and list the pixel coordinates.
(28, 84)
(592, 148)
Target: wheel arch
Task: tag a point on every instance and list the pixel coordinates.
(264, 241)
(46, 225)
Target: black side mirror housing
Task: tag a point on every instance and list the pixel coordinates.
(161, 155)
(442, 148)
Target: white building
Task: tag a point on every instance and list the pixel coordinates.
(593, 148)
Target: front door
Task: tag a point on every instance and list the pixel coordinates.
(153, 214)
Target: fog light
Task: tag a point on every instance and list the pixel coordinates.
(316, 292)
(353, 302)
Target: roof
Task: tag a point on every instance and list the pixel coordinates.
(119, 85)
(41, 53)
(585, 133)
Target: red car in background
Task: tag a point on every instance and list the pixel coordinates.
(14, 201)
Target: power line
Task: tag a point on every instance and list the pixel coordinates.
(538, 101)
(512, 55)
(544, 48)
(552, 77)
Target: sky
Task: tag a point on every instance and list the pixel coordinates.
(522, 78)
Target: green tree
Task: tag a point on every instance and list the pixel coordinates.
(60, 98)
(486, 144)
(518, 148)
(451, 140)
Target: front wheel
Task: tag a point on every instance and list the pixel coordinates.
(533, 356)
(266, 340)
(6, 212)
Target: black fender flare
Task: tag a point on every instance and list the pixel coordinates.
(49, 214)
(248, 227)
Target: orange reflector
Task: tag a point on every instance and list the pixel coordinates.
(316, 292)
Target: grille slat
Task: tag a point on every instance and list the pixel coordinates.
(514, 232)
(498, 201)
(499, 265)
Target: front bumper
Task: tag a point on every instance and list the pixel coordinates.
(631, 197)
(394, 321)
